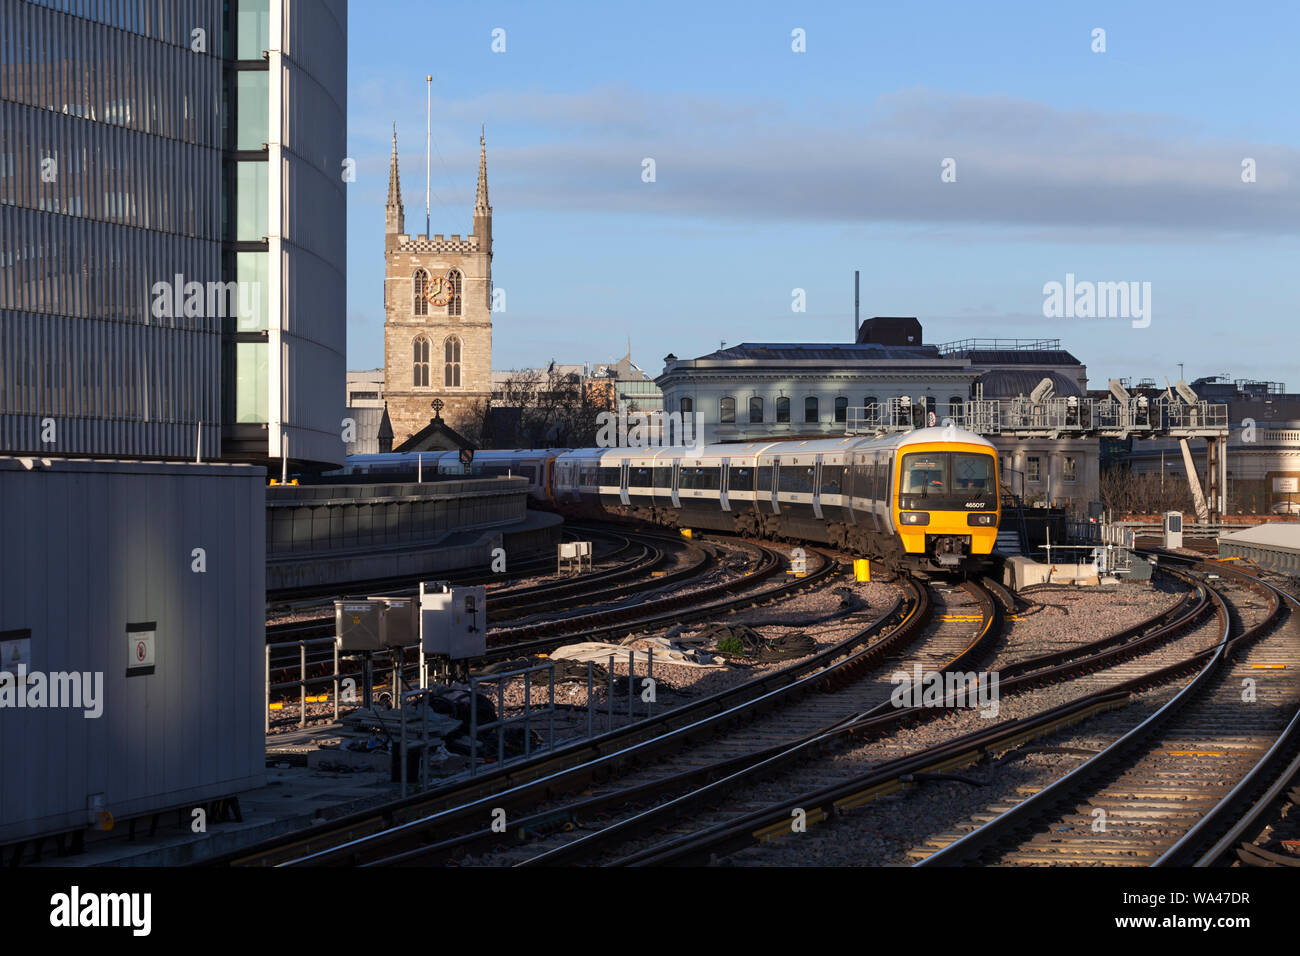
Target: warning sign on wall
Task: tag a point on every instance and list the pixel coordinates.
(140, 640)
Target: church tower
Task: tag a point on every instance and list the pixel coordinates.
(437, 314)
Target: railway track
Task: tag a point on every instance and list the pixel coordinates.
(760, 823)
(1170, 791)
(576, 765)
(677, 606)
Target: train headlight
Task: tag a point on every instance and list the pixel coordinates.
(982, 518)
(914, 517)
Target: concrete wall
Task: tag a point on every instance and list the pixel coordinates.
(88, 548)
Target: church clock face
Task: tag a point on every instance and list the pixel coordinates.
(438, 291)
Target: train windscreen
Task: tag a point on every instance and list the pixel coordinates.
(959, 481)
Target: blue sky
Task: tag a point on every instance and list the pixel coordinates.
(778, 170)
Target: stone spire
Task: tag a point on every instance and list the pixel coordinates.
(482, 209)
(394, 213)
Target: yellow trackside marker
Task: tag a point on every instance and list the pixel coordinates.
(1196, 753)
(686, 532)
(862, 570)
(277, 706)
(1268, 667)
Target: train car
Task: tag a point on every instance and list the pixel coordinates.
(926, 498)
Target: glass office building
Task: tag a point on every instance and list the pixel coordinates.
(174, 229)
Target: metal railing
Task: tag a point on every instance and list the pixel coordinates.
(303, 680)
(529, 714)
(1052, 417)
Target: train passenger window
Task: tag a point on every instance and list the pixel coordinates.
(832, 477)
(764, 477)
(797, 479)
(711, 478)
(740, 479)
(639, 477)
(663, 476)
(882, 479)
(610, 476)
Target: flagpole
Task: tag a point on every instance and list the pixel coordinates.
(428, 147)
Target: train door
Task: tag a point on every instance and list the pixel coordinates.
(817, 488)
(622, 481)
(677, 467)
(724, 480)
(776, 483)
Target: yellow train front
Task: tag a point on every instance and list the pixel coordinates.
(945, 507)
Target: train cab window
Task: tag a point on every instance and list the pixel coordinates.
(925, 474)
(740, 479)
(797, 479)
(764, 477)
(972, 473)
(832, 478)
(663, 476)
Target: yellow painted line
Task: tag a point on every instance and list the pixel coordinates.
(1196, 753)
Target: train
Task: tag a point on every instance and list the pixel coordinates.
(926, 499)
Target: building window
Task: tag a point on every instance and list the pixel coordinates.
(841, 409)
(1032, 472)
(688, 406)
(954, 408)
(453, 300)
(727, 411)
(451, 362)
(810, 409)
(756, 411)
(783, 409)
(420, 360)
(869, 401)
(1068, 471)
(419, 289)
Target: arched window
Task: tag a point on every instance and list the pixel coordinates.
(451, 362)
(841, 409)
(419, 291)
(727, 411)
(453, 301)
(955, 403)
(756, 411)
(783, 409)
(810, 409)
(688, 406)
(420, 362)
